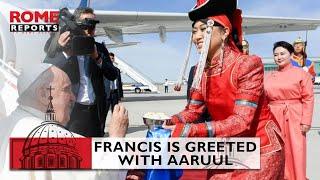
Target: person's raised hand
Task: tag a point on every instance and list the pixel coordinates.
(64, 39)
(119, 121)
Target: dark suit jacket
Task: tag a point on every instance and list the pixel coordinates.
(71, 67)
(190, 80)
(119, 86)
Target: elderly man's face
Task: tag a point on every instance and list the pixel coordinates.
(63, 98)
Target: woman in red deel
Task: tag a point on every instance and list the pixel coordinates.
(229, 85)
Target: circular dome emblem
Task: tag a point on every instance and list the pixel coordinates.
(50, 146)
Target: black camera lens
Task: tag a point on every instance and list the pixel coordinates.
(87, 24)
(86, 27)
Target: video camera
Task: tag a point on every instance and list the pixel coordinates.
(80, 43)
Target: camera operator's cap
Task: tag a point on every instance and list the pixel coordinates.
(29, 75)
(206, 8)
(298, 41)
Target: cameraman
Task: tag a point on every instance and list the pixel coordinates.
(86, 73)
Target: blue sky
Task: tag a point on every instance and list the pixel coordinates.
(163, 60)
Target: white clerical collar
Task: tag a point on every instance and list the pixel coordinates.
(34, 112)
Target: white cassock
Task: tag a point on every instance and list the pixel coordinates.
(19, 124)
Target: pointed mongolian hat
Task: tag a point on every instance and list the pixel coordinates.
(298, 41)
(206, 8)
(223, 12)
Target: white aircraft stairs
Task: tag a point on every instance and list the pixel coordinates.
(134, 74)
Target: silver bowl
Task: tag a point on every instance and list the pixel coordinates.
(152, 123)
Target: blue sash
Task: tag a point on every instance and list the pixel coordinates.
(308, 63)
(161, 174)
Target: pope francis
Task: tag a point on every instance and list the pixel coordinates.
(33, 92)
